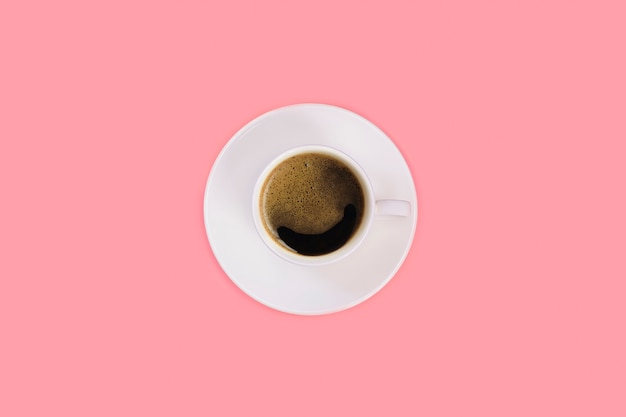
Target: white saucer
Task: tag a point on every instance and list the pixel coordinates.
(248, 261)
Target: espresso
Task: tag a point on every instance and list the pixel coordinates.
(312, 203)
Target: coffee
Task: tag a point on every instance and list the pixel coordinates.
(312, 203)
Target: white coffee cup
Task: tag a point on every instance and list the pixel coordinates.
(372, 207)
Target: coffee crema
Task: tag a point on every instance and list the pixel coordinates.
(312, 203)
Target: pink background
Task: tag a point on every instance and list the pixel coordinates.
(512, 118)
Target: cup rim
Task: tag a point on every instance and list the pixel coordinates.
(354, 241)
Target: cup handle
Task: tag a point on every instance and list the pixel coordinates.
(396, 208)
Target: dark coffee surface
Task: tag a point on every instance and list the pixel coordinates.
(308, 194)
(320, 244)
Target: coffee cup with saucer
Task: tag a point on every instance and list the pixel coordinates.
(362, 249)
